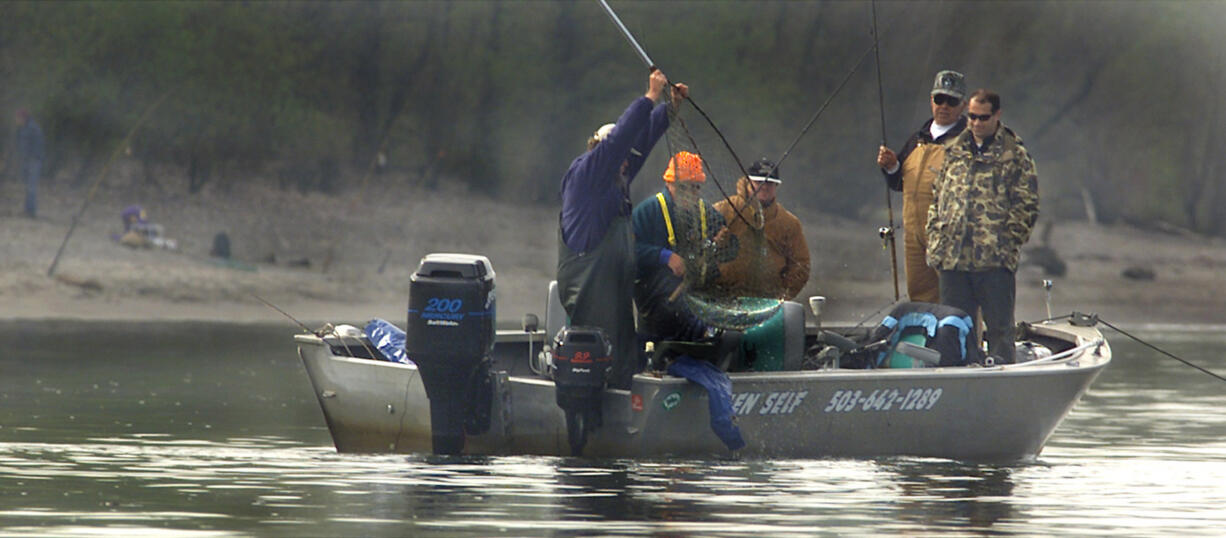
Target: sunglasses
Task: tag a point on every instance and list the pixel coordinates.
(942, 99)
(979, 117)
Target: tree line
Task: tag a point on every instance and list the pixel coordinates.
(1117, 101)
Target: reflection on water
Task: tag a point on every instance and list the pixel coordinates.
(212, 430)
(946, 493)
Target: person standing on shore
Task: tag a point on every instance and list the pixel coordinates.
(30, 158)
(596, 263)
(912, 171)
(985, 204)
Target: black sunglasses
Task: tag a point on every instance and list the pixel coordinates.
(942, 99)
(979, 117)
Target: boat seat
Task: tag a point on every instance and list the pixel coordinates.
(794, 335)
(793, 322)
(722, 352)
(555, 315)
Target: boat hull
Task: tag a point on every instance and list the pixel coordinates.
(999, 413)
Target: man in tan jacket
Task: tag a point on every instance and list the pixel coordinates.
(912, 171)
(772, 256)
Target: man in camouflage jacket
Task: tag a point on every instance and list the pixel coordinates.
(985, 203)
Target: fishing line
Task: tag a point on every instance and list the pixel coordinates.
(889, 232)
(652, 66)
(804, 130)
(1159, 350)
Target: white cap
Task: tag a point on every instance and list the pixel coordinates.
(603, 132)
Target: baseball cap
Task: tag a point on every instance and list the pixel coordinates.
(949, 83)
(764, 170)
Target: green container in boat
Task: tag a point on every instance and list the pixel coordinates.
(898, 360)
(765, 342)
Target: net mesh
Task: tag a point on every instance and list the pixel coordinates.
(733, 276)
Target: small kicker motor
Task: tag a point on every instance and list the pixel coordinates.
(582, 358)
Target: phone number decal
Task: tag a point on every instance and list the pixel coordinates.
(919, 399)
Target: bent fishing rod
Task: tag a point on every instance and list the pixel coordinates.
(652, 66)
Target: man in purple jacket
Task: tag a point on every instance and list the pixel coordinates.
(595, 240)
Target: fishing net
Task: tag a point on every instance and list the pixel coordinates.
(732, 278)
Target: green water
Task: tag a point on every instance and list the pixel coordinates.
(212, 430)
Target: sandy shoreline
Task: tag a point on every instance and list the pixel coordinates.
(361, 251)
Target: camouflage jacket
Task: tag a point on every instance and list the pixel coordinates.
(984, 205)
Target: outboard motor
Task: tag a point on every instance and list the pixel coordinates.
(582, 358)
(450, 336)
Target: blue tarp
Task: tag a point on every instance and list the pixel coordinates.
(719, 396)
(388, 339)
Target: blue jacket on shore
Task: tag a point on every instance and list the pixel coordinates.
(30, 141)
(593, 190)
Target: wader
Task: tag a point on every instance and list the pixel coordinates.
(596, 288)
(919, 171)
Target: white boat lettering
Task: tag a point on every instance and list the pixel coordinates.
(744, 402)
(441, 316)
(772, 403)
(443, 322)
(915, 399)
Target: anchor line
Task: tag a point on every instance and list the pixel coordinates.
(1162, 351)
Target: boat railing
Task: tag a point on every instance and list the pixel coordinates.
(1065, 356)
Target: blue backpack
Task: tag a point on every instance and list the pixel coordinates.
(945, 329)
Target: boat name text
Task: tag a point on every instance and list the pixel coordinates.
(768, 403)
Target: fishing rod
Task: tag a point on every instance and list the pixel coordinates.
(887, 234)
(321, 332)
(652, 66)
(286, 314)
(804, 130)
(76, 218)
(813, 119)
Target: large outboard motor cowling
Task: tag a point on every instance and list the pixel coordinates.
(582, 358)
(450, 337)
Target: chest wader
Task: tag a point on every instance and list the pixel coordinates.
(596, 288)
(919, 172)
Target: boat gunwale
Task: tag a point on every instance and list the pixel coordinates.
(1093, 349)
